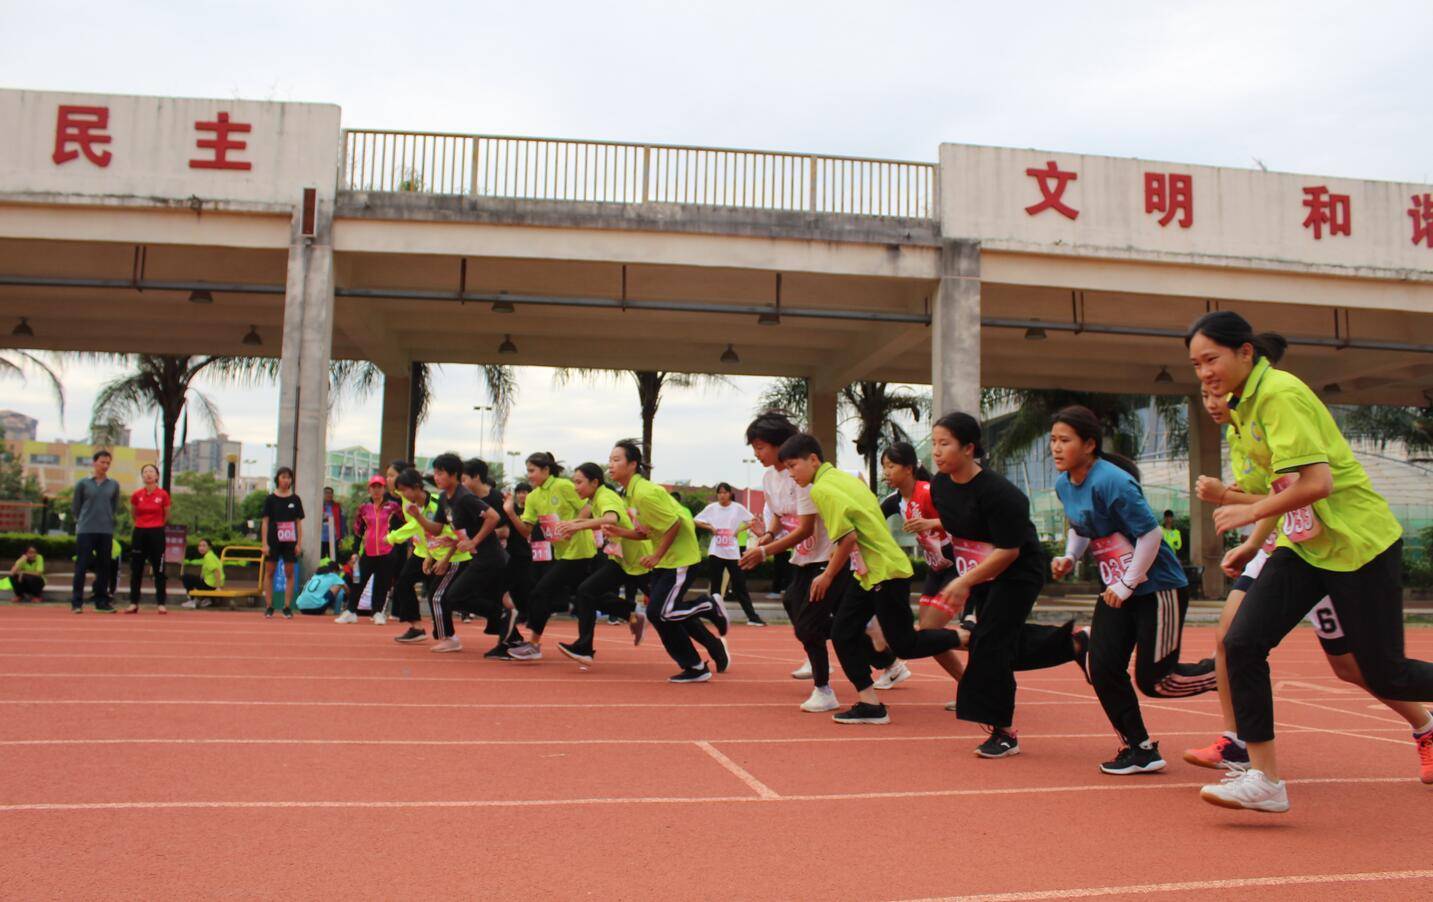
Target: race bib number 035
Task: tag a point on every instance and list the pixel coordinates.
(1113, 554)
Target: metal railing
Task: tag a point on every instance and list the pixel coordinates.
(611, 172)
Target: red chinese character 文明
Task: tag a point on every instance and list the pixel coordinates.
(1053, 182)
(1422, 215)
(1172, 195)
(1327, 209)
(221, 143)
(81, 126)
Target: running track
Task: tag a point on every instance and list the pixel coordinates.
(212, 754)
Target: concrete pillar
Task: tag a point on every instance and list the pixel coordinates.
(1206, 547)
(955, 330)
(395, 443)
(821, 404)
(304, 367)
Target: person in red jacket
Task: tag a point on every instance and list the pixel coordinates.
(150, 506)
(376, 517)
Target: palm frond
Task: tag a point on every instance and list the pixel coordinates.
(27, 360)
(208, 410)
(791, 394)
(502, 387)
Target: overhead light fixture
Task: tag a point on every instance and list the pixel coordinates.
(503, 307)
(507, 347)
(200, 297)
(1333, 388)
(729, 355)
(252, 339)
(23, 329)
(1164, 376)
(1035, 333)
(770, 318)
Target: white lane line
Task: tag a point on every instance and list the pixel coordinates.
(381, 704)
(440, 660)
(1145, 889)
(392, 678)
(657, 800)
(741, 773)
(1344, 711)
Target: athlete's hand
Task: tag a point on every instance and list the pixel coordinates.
(1233, 516)
(427, 566)
(440, 568)
(1111, 599)
(752, 558)
(920, 525)
(955, 594)
(509, 505)
(412, 510)
(650, 562)
(1235, 559)
(819, 586)
(1210, 489)
(266, 549)
(1060, 567)
(562, 529)
(643, 532)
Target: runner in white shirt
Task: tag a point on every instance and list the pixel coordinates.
(725, 520)
(792, 523)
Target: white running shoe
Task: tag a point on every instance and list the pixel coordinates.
(896, 674)
(449, 644)
(525, 652)
(191, 604)
(1248, 789)
(346, 617)
(823, 698)
(380, 618)
(803, 672)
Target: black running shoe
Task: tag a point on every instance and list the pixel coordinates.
(1000, 744)
(268, 613)
(861, 712)
(692, 675)
(722, 660)
(1081, 638)
(104, 607)
(1134, 759)
(288, 613)
(498, 652)
(412, 635)
(580, 655)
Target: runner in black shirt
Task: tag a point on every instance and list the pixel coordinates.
(1001, 569)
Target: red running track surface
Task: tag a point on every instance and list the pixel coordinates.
(211, 754)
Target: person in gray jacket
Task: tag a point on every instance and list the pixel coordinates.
(94, 506)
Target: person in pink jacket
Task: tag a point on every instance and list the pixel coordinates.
(375, 518)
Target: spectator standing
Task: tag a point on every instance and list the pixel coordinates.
(95, 503)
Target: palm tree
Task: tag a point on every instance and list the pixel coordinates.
(1027, 422)
(650, 384)
(1382, 424)
(361, 377)
(17, 364)
(876, 409)
(791, 394)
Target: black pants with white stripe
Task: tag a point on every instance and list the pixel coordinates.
(473, 586)
(1150, 627)
(669, 590)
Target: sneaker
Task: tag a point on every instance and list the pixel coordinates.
(863, 713)
(774, 596)
(616, 621)
(896, 674)
(346, 617)
(498, 652)
(1001, 743)
(1081, 638)
(466, 617)
(723, 660)
(823, 698)
(803, 672)
(191, 604)
(288, 613)
(525, 652)
(76, 610)
(412, 635)
(755, 621)
(105, 607)
(581, 656)
(952, 706)
(205, 602)
(380, 619)
(1247, 789)
(1135, 759)
(1425, 755)
(449, 644)
(1224, 752)
(268, 613)
(692, 675)
(638, 626)
(718, 615)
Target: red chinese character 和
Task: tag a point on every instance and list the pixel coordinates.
(221, 143)
(1172, 195)
(1422, 215)
(1327, 209)
(1053, 182)
(81, 126)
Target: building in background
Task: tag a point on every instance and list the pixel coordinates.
(17, 426)
(110, 435)
(59, 465)
(208, 455)
(354, 465)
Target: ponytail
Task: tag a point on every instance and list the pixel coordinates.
(1230, 330)
(965, 429)
(544, 460)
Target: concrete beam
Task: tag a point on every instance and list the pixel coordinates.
(955, 328)
(1206, 547)
(862, 357)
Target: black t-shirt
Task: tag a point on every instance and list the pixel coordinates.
(287, 509)
(990, 509)
(518, 547)
(465, 511)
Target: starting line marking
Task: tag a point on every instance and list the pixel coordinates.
(1142, 889)
(741, 773)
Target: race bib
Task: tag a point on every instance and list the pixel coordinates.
(969, 554)
(1113, 554)
(858, 563)
(287, 530)
(541, 551)
(1325, 620)
(791, 523)
(1298, 525)
(724, 538)
(1271, 541)
(934, 551)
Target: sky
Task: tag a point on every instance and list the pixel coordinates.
(1333, 88)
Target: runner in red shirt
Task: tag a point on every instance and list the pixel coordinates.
(150, 507)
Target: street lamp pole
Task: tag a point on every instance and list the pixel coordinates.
(481, 409)
(512, 465)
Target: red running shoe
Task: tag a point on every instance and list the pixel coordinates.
(1224, 753)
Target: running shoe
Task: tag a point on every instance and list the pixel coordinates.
(722, 660)
(132, 609)
(1135, 759)
(1248, 789)
(191, 604)
(268, 613)
(346, 617)
(1224, 752)
(1001, 743)
(445, 645)
(380, 619)
(755, 621)
(580, 655)
(692, 675)
(1425, 754)
(412, 635)
(288, 613)
(718, 615)
(896, 674)
(161, 610)
(498, 652)
(104, 607)
(803, 672)
(823, 698)
(76, 610)
(773, 595)
(615, 621)
(525, 652)
(1081, 638)
(863, 713)
(638, 626)
(952, 706)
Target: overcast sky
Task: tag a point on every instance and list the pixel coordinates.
(1327, 88)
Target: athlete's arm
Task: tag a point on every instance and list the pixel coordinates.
(763, 551)
(490, 523)
(1075, 546)
(1235, 559)
(1315, 483)
(1145, 552)
(840, 557)
(958, 590)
